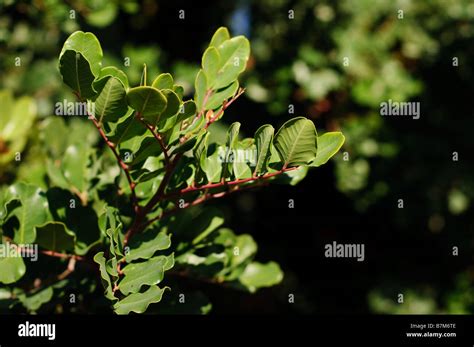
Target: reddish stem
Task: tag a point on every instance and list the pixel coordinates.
(124, 166)
(225, 105)
(158, 138)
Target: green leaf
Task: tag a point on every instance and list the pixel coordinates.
(220, 36)
(217, 99)
(54, 236)
(172, 104)
(257, 275)
(234, 54)
(241, 168)
(80, 62)
(186, 110)
(148, 101)
(34, 301)
(200, 149)
(106, 281)
(148, 273)
(31, 213)
(145, 245)
(163, 81)
(209, 221)
(231, 142)
(139, 302)
(263, 140)
(11, 269)
(200, 86)
(77, 73)
(296, 142)
(74, 165)
(111, 103)
(17, 117)
(328, 145)
(88, 45)
(246, 247)
(212, 164)
(106, 73)
(210, 65)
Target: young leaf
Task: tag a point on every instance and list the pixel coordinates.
(139, 302)
(111, 103)
(263, 140)
(296, 142)
(217, 98)
(54, 236)
(328, 145)
(221, 35)
(200, 86)
(147, 101)
(210, 65)
(234, 54)
(163, 81)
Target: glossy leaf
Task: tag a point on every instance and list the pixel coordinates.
(80, 62)
(234, 54)
(88, 45)
(200, 87)
(263, 141)
(111, 103)
(149, 273)
(163, 81)
(54, 236)
(296, 142)
(106, 73)
(144, 246)
(77, 74)
(328, 145)
(106, 281)
(210, 65)
(220, 36)
(147, 101)
(31, 213)
(139, 302)
(218, 97)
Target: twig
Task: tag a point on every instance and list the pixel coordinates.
(225, 105)
(158, 138)
(228, 183)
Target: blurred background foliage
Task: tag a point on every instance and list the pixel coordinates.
(334, 62)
